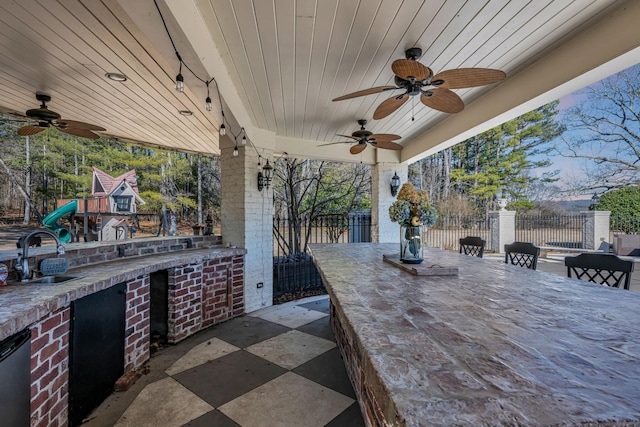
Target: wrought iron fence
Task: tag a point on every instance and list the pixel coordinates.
(627, 224)
(448, 230)
(550, 230)
(293, 269)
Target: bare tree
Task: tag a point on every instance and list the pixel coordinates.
(604, 130)
(304, 190)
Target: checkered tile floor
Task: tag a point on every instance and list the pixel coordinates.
(274, 367)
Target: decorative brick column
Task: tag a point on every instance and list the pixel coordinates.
(137, 321)
(502, 226)
(595, 230)
(383, 230)
(50, 370)
(247, 216)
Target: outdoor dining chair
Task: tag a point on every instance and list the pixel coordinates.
(605, 269)
(522, 254)
(472, 245)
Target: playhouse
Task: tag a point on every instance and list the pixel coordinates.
(107, 215)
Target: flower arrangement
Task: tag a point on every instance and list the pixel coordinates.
(412, 208)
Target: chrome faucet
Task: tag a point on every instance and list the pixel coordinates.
(22, 262)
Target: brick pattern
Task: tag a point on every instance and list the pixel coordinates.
(246, 218)
(197, 298)
(185, 301)
(50, 370)
(137, 321)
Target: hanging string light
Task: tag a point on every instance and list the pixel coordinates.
(207, 102)
(179, 78)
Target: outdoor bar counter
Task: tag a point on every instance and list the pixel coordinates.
(495, 344)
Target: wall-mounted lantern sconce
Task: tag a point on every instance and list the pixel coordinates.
(395, 184)
(260, 181)
(265, 176)
(267, 170)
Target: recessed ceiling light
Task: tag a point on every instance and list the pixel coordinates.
(116, 77)
(185, 112)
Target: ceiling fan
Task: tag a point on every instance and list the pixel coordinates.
(363, 136)
(435, 91)
(47, 118)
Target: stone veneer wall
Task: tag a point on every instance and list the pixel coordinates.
(198, 293)
(375, 404)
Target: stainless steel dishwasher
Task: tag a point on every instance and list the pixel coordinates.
(15, 380)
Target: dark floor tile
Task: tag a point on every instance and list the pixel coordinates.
(211, 419)
(350, 417)
(328, 370)
(320, 305)
(222, 380)
(320, 328)
(245, 331)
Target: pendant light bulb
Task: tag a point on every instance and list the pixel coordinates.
(179, 83)
(244, 140)
(207, 104)
(223, 130)
(235, 151)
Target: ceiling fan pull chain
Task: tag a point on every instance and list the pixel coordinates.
(413, 105)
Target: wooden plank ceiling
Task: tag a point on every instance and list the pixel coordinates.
(279, 62)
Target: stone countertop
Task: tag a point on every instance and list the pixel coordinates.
(494, 345)
(24, 304)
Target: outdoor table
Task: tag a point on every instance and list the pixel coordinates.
(495, 344)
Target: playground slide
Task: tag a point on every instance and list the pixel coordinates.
(50, 220)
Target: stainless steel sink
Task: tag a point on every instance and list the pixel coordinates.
(53, 279)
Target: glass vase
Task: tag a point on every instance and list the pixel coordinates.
(411, 244)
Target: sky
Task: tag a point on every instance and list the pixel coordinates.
(570, 170)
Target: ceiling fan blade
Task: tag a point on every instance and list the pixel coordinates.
(364, 92)
(30, 130)
(348, 136)
(407, 68)
(387, 145)
(357, 149)
(389, 106)
(333, 143)
(384, 136)
(83, 133)
(442, 100)
(467, 77)
(79, 125)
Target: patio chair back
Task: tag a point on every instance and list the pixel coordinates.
(522, 254)
(605, 269)
(472, 245)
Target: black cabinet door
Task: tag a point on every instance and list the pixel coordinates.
(97, 349)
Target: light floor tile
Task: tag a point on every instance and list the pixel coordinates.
(286, 401)
(291, 349)
(163, 403)
(277, 307)
(202, 353)
(293, 317)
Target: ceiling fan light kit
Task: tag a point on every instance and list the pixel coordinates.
(435, 92)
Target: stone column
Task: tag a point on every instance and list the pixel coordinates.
(247, 218)
(595, 230)
(502, 225)
(382, 229)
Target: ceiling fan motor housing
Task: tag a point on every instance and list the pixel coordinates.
(43, 114)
